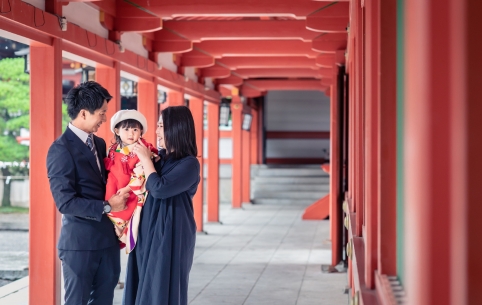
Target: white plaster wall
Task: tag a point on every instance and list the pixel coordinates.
(225, 148)
(37, 3)
(190, 72)
(84, 16)
(297, 148)
(20, 193)
(165, 60)
(297, 111)
(133, 42)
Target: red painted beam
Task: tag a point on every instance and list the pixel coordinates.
(126, 24)
(325, 60)
(283, 84)
(166, 41)
(216, 71)
(332, 18)
(327, 82)
(118, 23)
(194, 58)
(330, 42)
(24, 18)
(283, 72)
(268, 62)
(257, 48)
(199, 30)
(168, 8)
(230, 80)
(249, 91)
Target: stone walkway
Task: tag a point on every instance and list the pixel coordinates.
(261, 254)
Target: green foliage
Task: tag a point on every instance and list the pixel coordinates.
(65, 117)
(14, 108)
(10, 150)
(13, 210)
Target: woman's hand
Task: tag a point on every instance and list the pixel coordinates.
(142, 151)
(144, 155)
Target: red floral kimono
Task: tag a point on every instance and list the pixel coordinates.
(126, 170)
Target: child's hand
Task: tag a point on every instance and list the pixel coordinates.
(124, 190)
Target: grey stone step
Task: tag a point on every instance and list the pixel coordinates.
(271, 201)
(312, 187)
(291, 180)
(289, 195)
(291, 172)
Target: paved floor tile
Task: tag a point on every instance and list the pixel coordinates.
(261, 254)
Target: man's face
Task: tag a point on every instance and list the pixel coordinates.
(91, 122)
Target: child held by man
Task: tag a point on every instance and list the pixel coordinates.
(126, 174)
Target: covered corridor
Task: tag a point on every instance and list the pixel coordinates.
(261, 254)
(400, 139)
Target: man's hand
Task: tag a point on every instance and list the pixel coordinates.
(118, 202)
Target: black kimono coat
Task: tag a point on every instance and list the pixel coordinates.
(158, 268)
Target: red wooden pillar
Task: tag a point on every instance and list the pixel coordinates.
(428, 143)
(254, 137)
(175, 98)
(236, 177)
(109, 78)
(351, 134)
(335, 162)
(387, 139)
(147, 105)
(466, 108)
(197, 108)
(359, 119)
(45, 127)
(213, 163)
(260, 134)
(371, 148)
(246, 167)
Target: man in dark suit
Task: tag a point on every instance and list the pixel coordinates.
(88, 246)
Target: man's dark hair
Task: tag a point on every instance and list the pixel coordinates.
(129, 123)
(89, 95)
(179, 132)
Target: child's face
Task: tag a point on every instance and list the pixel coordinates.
(128, 135)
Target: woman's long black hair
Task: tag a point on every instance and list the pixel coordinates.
(179, 132)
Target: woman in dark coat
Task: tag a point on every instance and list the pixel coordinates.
(158, 268)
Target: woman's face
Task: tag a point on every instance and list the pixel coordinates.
(160, 134)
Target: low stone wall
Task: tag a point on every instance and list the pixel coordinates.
(19, 191)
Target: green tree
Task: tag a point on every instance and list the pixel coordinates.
(14, 108)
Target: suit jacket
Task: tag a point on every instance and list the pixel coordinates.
(78, 189)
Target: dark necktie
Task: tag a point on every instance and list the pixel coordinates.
(90, 143)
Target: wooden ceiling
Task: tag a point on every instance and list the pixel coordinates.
(256, 45)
